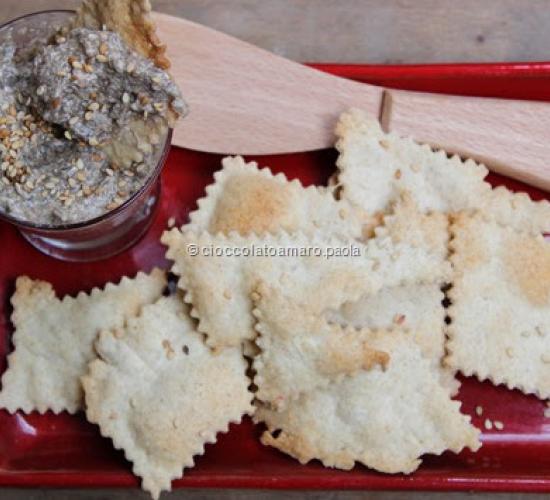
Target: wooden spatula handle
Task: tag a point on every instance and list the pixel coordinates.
(512, 137)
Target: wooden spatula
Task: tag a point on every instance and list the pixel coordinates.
(246, 100)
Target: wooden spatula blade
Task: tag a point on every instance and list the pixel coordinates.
(246, 100)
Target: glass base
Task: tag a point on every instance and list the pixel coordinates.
(103, 242)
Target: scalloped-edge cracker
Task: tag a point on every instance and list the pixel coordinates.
(406, 223)
(500, 312)
(374, 167)
(417, 307)
(131, 19)
(300, 350)
(385, 419)
(54, 338)
(250, 200)
(219, 286)
(161, 394)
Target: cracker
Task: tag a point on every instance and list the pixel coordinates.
(385, 419)
(249, 200)
(375, 167)
(406, 223)
(517, 210)
(417, 307)
(500, 312)
(161, 394)
(218, 287)
(54, 338)
(300, 350)
(131, 19)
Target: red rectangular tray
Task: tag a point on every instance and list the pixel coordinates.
(64, 450)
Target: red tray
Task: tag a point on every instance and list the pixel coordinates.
(65, 450)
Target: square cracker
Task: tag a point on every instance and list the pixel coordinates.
(54, 338)
(374, 167)
(300, 350)
(249, 200)
(500, 312)
(417, 307)
(384, 418)
(161, 394)
(219, 286)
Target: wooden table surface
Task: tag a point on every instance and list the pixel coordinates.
(363, 31)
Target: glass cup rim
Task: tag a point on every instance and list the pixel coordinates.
(111, 213)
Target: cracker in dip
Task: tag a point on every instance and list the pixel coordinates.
(82, 119)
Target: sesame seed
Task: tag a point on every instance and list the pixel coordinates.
(128, 173)
(81, 176)
(125, 98)
(93, 141)
(399, 319)
(94, 106)
(40, 90)
(103, 48)
(72, 182)
(68, 135)
(479, 411)
(159, 106)
(73, 120)
(76, 65)
(156, 79)
(88, 68)
(488, 424)
(101, 58)
(88, 115)
(79, 164)
(498, 425)
(109, 172)
(131, 67)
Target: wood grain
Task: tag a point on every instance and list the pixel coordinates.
(246, 100)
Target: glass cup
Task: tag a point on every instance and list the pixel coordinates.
(111, 233)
